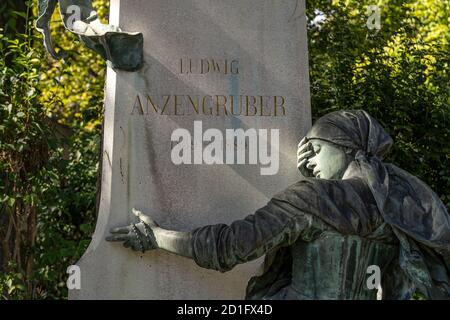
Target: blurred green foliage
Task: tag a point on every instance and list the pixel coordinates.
(51, 115)
(399, 74)
(50, 122)
(23, 153)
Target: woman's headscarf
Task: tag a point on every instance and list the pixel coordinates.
(352, 129)
(416, 214)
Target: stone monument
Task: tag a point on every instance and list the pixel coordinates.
(205, 132)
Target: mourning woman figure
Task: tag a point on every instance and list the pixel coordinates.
(321, 234)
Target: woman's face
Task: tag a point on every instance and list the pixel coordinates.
(328, 161)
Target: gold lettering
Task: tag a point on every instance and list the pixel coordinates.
(280, 105)
(155, 106)
(262, 105)
(227, 105)
(176, 105)
(233, 104)
(195, 107)
(223, 104)
(138, 103)
(204, 103)
(205, 66)
(202, 66)
(253, 104)
(234, 67)
(215, 66)
(165, 103)
(190, 66)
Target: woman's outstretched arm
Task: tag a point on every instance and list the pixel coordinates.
(220, 247)
(148, 235)
(177, 242)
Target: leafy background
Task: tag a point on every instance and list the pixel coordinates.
(51, 118)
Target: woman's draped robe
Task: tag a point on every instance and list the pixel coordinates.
(321, 235)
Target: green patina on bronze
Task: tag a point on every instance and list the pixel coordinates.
(124, 50)
(321, 234)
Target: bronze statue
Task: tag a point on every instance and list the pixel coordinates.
(319, 235)
(123, 50)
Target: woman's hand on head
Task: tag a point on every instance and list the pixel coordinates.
(304, 152)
